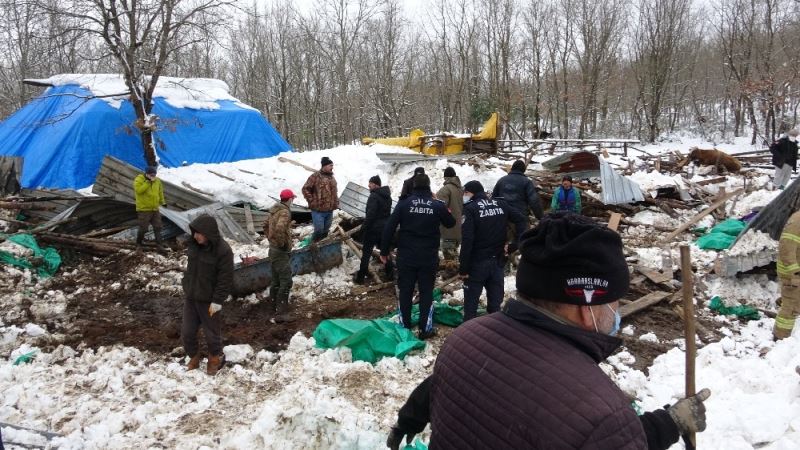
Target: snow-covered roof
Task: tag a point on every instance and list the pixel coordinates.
(192, 93)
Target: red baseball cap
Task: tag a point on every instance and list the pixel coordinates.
(286, 194)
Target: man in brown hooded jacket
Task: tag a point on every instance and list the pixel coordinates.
(452, 194)
(207, 282)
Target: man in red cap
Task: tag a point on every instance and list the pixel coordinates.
(278, 230)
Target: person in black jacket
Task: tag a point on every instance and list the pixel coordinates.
(519, 191)
(408, 185)
(483, 247)
(379, 207)
(419, 217)
(784, 158)
(528, 377)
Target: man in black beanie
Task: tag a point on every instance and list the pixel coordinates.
(408, 185)
(484, 247)
(528, 377)
(379, 207)
(419, 216)
(519, 191)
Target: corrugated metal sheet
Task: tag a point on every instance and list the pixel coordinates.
(402, 158)
(228, 227)
(354, 200)
(59, 200)
(577, 164)
(617, 188)
(115, 179)
(773, 217)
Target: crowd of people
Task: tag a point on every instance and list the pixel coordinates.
(526, 374)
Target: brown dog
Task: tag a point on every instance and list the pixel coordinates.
(715, 158)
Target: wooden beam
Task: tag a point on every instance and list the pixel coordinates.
(701, 214)
(613, 222)
(189, 186)
(248, 217)
(287, 160)
(654, 275)
(642, 303)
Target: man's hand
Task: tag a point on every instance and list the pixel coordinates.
(689, 414)
(384, 259)
(213, 309)
(396, 437)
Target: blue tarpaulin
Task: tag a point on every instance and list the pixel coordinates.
(65, 133)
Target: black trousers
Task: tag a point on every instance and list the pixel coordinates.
(196, 315)
(409, 275)
(484, 274)
(369, 242)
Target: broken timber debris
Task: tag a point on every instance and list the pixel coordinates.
(696, 218)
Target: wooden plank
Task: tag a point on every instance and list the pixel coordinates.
(701, 214)
(642, 303)
(287, 160)
(654, 275)
(712, 181)
(248, 217)
(613, 222)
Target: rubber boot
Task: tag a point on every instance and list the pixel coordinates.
(193, 363)
(283, 309)
(214, 364)
(359, 278)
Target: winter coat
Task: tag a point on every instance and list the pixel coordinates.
(408, 187)
(523, 380)
(789, 248)
(786, 153)
(520, 192)
(452, 195)
(379, 207)
(279, 227)
(485, 230)
(320, 192)
(209, 272)
(419, 217)
(566, 200)
(149, 195)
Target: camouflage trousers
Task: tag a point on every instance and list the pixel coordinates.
(450, 249)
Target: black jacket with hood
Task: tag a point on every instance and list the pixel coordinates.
(379, 207)
(209, 272)
(520, 192)
(786, 153)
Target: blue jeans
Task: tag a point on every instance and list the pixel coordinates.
(484, 274)
(322, 223)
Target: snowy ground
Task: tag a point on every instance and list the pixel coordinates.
(121, 397)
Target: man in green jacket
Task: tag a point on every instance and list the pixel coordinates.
(149, 194)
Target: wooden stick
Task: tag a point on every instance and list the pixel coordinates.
(189, 186)
(689, 327)
(287, 160)
(701, 214)
(349, 242)
(221, 175)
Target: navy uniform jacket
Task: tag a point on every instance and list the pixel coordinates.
(419, 216)
(484, 231)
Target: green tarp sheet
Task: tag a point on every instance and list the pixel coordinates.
(722, 236)
(369, 340)
(46, 261)
(742, 311)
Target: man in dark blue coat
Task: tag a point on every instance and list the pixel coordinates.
(379, 207)
(483, 247)
(519, 191)
(419, 216)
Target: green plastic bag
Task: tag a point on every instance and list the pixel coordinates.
(306, 242)
(715, 241)
(418, 445)
(730, 226)
(26, 358)
(48, 259)
(742, 311)
(369, 340)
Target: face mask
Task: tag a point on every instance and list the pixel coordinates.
(617, 321)
(466, 198)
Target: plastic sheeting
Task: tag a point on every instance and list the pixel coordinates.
(64, 134)
(46, 261)
(369, 340)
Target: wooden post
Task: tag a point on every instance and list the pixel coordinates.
(624, 149)
(721, 194)
(689, 327)
(613, 222)
(248, 217)
(658, 164)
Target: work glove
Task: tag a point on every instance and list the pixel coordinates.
(395, 438)
(213, 309)
(689, 414)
